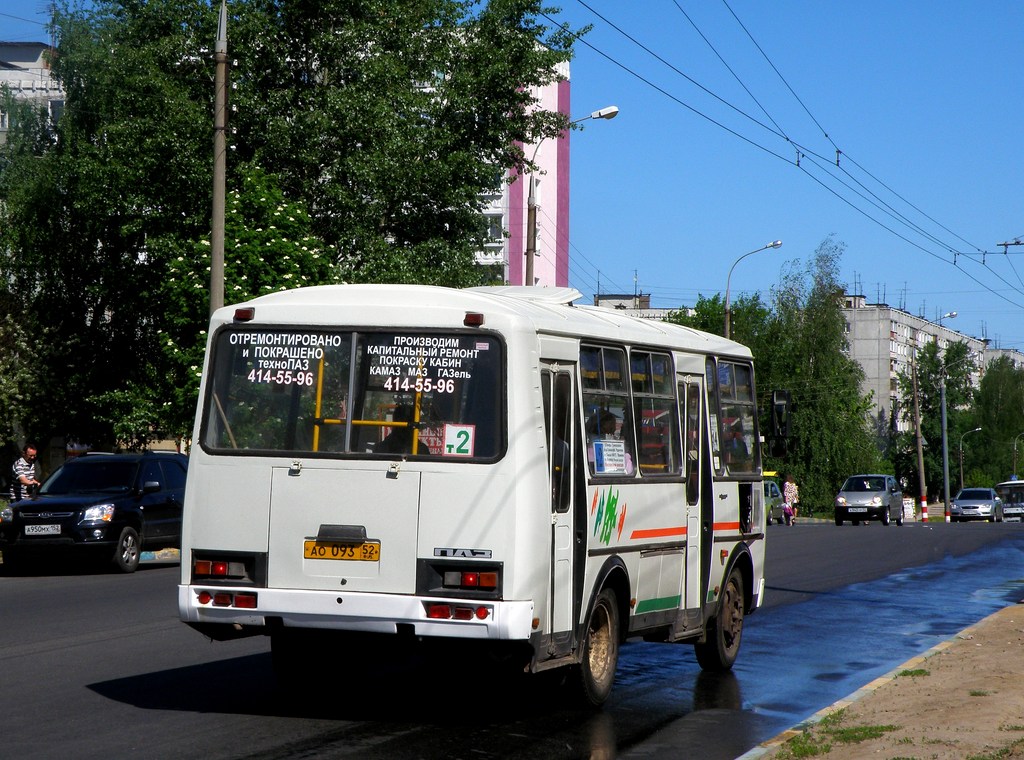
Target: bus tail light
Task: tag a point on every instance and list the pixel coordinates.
(243, 600)
(207, 568)
(471, 579)
(446, 611)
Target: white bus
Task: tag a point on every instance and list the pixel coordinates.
(1011, 492)
(495, 467)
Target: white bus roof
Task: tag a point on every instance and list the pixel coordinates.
(549, 310)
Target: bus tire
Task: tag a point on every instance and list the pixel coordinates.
(594, 676)
(725, 630)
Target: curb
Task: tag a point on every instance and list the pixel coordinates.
(914, 662)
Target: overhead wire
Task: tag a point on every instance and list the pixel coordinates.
(823, 163)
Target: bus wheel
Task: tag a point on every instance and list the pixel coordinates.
(722, 642)
(595, 675)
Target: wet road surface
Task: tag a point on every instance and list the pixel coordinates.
(842, 608)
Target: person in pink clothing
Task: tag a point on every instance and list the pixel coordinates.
(791, 495)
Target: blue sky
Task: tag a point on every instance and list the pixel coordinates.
(922, 98)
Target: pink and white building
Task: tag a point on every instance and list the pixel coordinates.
(507, 209)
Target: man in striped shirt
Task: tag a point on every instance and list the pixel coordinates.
(24, 472)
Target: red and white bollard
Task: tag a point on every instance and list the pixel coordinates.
(924, 510)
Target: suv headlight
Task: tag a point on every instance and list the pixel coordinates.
(99, 513)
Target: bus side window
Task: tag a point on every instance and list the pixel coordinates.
(558, 425)
(606, 405)
(656, 414)
(689, 399)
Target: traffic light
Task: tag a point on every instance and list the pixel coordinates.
(781, 401)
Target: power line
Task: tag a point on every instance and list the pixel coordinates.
(881, 205)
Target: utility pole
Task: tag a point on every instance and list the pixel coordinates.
(920, 447)
(220, 124)
(1006, 246)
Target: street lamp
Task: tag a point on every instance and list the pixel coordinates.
(608, 112)
(728, 326)
(1014, 473)
(945, 445)
(962, 455)
(947, 315)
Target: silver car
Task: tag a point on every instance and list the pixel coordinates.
(869, 497)
(773, 503)
(976, 504)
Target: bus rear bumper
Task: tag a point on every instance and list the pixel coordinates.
(246, 611)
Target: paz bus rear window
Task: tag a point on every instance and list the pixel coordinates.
(323, 391)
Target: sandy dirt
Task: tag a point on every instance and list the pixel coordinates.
(963, 699)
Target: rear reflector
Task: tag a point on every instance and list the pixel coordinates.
(457, 612)
(244, 600)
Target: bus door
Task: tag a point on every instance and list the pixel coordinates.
(559, 413)
(698, 530)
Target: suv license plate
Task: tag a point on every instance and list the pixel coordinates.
(368, 551)
(42, 530)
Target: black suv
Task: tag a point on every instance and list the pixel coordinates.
(114, 505)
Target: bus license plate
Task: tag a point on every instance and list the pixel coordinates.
(42, 530)
(368, 551)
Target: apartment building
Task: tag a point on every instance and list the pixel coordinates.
(883, 340)
(25, 73)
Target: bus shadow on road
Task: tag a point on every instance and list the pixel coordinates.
(246, 685)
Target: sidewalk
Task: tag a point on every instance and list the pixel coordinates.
(964, 698)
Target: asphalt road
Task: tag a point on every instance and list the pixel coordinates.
(97, 665)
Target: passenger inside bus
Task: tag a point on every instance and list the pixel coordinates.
(399, 440)
(602, 427)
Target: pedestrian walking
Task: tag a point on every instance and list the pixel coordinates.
(791, 497)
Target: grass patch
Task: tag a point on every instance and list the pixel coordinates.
(819, 739)
(915, 673)
(1012, 727)
(979, 693)
(1010, 750)
(804, 744)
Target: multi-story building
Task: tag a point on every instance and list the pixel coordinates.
(883, 340)
(25, 73)
(507, 206)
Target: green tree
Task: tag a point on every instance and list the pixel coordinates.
(832, 435)
(999, 412)
(390, 118)
(799, 344)
(953, 366)
(384, 120)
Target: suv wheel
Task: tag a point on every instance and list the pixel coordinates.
(128, 551)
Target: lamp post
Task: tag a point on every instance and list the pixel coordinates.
(608, 112)
(728, 325)
(1014, 473)
(962, 455)
(945, 443)
(220, 122)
